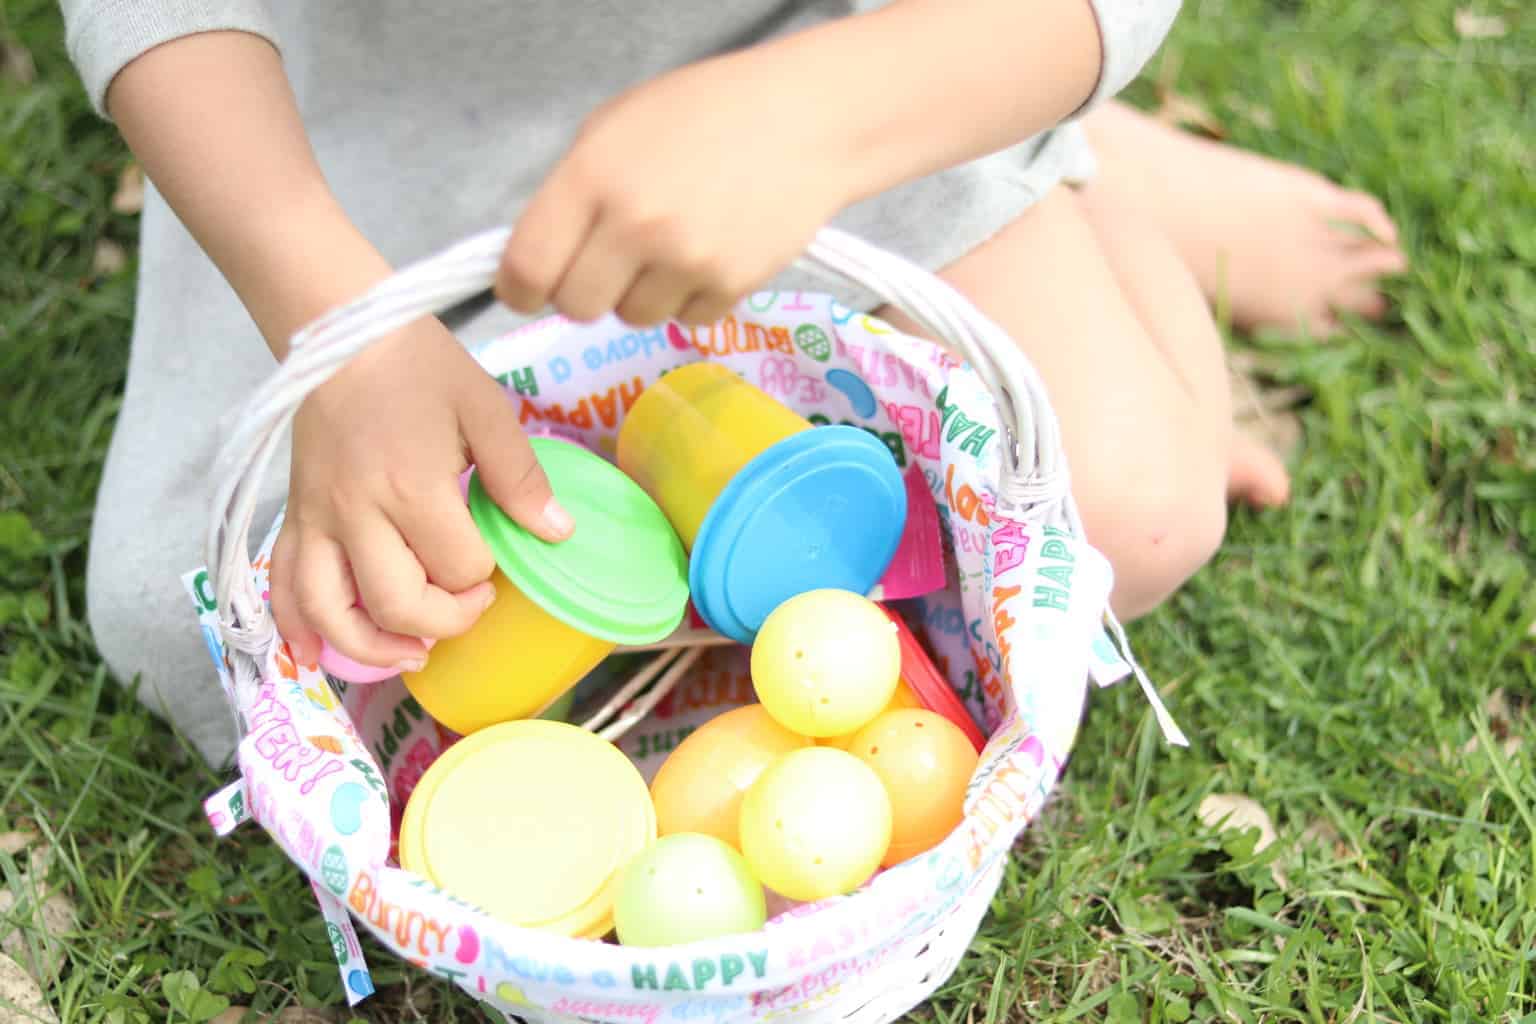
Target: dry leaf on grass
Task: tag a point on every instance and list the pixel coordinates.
(1496, 706)
(1471, 25)
(33, 917)
(1506, 447)
(1263, 412)
(16, 62)
(1500, 720)
(1233, 811)
(129, 197)
(20, 998)
(1226, 811)
(32, 928)
(108, 258)
(1322, 833)
(14, 842)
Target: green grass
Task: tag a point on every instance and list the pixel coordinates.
(1334, 663)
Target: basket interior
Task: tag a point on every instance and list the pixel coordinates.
(577, 382)
(405, 741)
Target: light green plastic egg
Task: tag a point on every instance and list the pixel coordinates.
(684, 888)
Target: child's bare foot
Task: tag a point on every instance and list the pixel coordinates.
(1255, 474)
(1266, 433)
(1284, 247)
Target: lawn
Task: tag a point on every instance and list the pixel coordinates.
(1360, 665)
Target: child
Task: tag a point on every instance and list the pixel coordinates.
(657, 160)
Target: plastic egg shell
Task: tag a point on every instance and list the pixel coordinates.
(816, 824)
(826, 662)
(686, 888)
(700, 786)
(925, 763)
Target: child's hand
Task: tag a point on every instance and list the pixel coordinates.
(685, 193)
(680, 197)
(374, 509)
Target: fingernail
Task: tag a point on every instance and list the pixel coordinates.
(489, 598)
(556, 519)
(412, 664)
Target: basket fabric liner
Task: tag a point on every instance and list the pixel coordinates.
(325, 768)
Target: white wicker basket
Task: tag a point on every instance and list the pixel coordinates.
(1031, 593)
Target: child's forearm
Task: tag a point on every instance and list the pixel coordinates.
(213, 122)
(921, 85)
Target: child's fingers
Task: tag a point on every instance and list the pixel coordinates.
(324, 597)
(395, 587)
(657, 294)
(706, 308)
(599, 276)
(443, 535)
(544, 241)
(508, 469)
(303, 641)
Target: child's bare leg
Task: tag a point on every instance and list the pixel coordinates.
(1282, 245)
(1165, 296)
(1138, 384)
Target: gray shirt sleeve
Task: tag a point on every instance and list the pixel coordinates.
(1130, 31)
(103, 36)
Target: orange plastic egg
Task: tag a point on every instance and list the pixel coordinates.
(902, 698)
(926, 763)
(700, 786)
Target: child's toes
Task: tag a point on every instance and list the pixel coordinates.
(1385, 263)
(1367, 213)
(1359, 291)
(1363, 300)
(1255, 474)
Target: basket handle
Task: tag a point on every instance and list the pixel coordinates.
(1033, 470)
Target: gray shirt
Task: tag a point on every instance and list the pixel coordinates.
(431, 122)
(434, 120)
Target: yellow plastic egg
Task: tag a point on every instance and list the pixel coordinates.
(700, 786)
(826, 662)
(816, 824)
(925, 763)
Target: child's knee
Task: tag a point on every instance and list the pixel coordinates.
(1157, 525)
